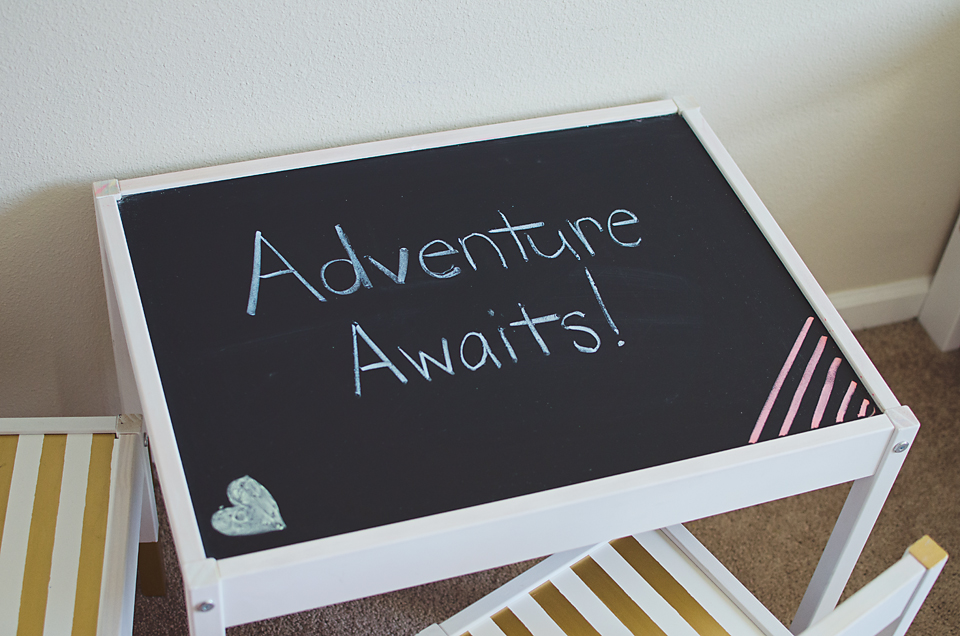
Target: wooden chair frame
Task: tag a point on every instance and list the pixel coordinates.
(704, 595)
(132, 518)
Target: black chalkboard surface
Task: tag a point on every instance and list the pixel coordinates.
(387, 338)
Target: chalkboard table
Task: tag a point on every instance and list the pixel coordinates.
(376, 366)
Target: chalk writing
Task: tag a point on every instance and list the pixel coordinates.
(437, 259)
(845, 404)
(603, 307)
(513, 232)
(257, 276)
(506, 343)
(575, 226)
(384, 360)
(401, 276)
(531, 324)
(466, 252)
(448, 250)
(422, 368)
(564, 245)
(486, 351)
(825, 392)
(802, 387)
(581, 348)
(353, 261)
(476, 349)
(254, 510)
(631, 220)
(437, 256)
(778, 383)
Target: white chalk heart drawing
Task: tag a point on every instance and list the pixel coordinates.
(254, 510)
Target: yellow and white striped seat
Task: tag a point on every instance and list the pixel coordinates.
(70, 508)
(665, 582)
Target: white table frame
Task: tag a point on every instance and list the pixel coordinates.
(236, 590)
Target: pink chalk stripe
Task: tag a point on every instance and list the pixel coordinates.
(765, 412)
(825, 393)
(846, 401)
(804, 382)
(863, 408)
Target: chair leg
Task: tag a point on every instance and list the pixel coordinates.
(150, 576)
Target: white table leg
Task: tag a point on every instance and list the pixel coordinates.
(202, 591)
(854, 525)
(149, 520)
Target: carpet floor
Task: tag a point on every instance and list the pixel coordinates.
(772, 548)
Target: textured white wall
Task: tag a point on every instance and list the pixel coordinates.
(844, 115)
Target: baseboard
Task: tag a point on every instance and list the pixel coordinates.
(882, 304)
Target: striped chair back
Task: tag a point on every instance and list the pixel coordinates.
(68, 532)
(666, 583)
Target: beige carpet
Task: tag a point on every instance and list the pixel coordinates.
(772, 548)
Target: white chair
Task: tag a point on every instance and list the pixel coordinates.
(73, 492)
(666, 582)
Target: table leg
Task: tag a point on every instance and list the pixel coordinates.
(150, 577)
(856, 521)
(202, 592)
(149, 520)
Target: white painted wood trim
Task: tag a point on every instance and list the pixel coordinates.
(395, 146)
(588, 604)
(792, 261)
(149, 519)
(919, 596)
(882, 304)
(118, 583)
(713, 598)
(876, 605)
(853, 527)
(202, 586)
(486, 628)
(126, 383)
(183, 523)
(873, 382)
(940, 314)
(376, 560)
(685, 103)
(65, 561)
(134, 523)
(16, 529)
(58, 425)
(535, 618)
(636, 587)
(722, 578)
